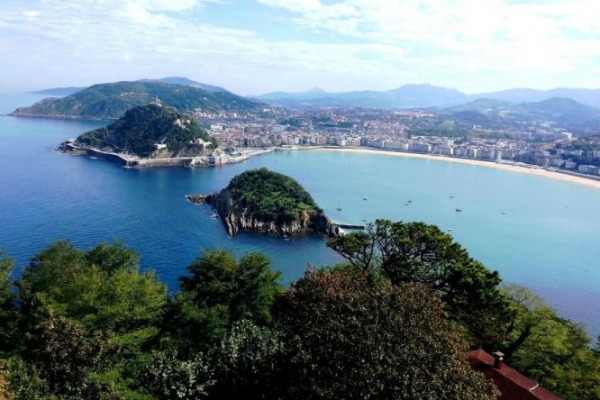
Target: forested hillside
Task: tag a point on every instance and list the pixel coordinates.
(142, 128)
(393, 322)
(112, 100)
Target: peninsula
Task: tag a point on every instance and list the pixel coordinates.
(109, 101)
(264, 201)
(152, 135)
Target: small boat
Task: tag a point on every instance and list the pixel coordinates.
(458, 210)
(365, 198)
(215, 216)
(409, 201)
(339, 209)
(451, 197)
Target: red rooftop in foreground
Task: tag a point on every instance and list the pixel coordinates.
(511, 383)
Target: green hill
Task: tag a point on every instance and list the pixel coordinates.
(111, 100)
(271, 196)
(142, 128)
(265, 201)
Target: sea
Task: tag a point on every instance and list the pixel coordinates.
(537, 232)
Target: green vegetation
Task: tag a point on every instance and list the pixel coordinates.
(270, 196)
(394, 322)
(112, 100)
(142, 127)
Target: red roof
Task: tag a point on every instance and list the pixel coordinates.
(511, 383)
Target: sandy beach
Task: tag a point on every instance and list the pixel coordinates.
(533, 170)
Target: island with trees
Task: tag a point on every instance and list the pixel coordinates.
(265, 201)
(395, 321)
(151, 135)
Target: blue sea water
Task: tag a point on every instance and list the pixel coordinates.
(538, 232)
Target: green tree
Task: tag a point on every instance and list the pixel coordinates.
(550, 349)
(7, 306)
(220, 291)
(172, 378)
(63, 358)
(245, 363)
(103, 288)
(100, 292)
(419, 253)
(347, 335)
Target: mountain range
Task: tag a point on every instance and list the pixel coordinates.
(422, 96)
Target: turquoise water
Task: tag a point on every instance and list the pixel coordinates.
(538, 232)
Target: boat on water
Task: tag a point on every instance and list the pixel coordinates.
(458, 210)
(215, 216)
(339, 208)
(365, 198)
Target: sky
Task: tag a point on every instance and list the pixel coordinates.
(253, 47)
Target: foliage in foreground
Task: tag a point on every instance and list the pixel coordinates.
(393, 323)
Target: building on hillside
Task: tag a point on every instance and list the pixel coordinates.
(510, 382)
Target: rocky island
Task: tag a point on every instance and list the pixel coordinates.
(264, 201)
(149, 136)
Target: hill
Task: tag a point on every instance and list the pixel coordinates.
(265, 201)
(150, 130)
(422, 96)
(112, 100)
(178, 80)
(407, 96)
(563, 112)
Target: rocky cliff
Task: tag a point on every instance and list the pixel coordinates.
(266, 205)
(236, 217)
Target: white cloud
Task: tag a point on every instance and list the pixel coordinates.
(385, 43)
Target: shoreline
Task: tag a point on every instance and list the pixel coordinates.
(532, 170)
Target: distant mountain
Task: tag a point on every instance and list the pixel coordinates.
(150, 130)
(311, 94)
(111, 100)
(421, 96)
(408, 96)
(177, 80)
(61, 91)
(418, 96)
(589, 97)
(484, 106)
(174, 80)
(559, 111)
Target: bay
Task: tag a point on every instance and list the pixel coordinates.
(538, 232)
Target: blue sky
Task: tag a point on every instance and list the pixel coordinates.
(259, 46)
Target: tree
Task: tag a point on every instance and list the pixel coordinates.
(549, 349)
(103, 288)
(221, 291)
(67, 358)
(245, 363)
(171, 378)
(5, 393)
(419, 253)
(7, 306)
(99, 292)
(347, 335)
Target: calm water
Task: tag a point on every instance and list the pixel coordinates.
(538, 232)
